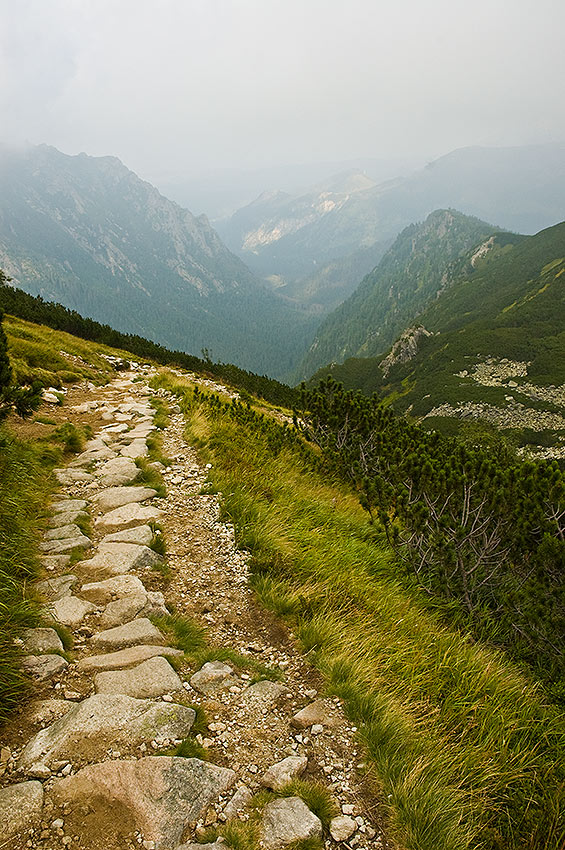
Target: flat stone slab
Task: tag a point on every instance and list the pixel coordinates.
(124, 658)
(283, 772)
(124, 610)
(69, 505)
(85, 458)
(139, 631)
(288, 820)
(262, 694)
(138, 448)
(128, 514)
(66, 518)
(71, 611)
(41, 641)
(151, 678)
(114, 559)
(56, 587)
(213, 677)
(20, 808)
(142, 535)
(68, 477)
(63, 531)
(117, 472)
(42, 667)
(161, 794)
(116, 497)
(55, 562)
(103, 720)
(102, 592)
(59, 547)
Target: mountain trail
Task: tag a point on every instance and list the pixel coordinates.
(130, 743)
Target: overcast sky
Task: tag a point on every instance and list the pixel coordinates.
(182, 86)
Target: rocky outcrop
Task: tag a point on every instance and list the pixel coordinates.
(405, 348)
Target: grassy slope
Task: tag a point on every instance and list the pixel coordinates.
(26, 483)
(462, 744)
(465, 750)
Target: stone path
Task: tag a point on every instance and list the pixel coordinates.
(87, 764)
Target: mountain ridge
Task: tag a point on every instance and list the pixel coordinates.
(87, 232)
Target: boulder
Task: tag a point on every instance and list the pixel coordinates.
(124, 658)
(117, 497)
(56, 588)
(317, 713)
(342, 828)
(20, 809)
(66, 518)
(288, 820)
(43, 667)
(68, 477)
(158, 795)
(238, 802)
(45, 711)
(103, 720)
(122, 611)
(262, 694)
(151, 678)
(41, 641)
(64, 505)
(283, 772)
(213, 677)
(55, 562)
(138, 631)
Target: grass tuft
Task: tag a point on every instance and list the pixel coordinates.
(316, 796)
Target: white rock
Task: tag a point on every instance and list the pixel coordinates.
(280, 774)
(70, 610)
(342, 828)
(20, 808)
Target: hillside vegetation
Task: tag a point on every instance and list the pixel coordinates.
(466, 749)
(463, 745)
(415, 269)
(495, 347)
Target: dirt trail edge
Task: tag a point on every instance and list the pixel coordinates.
(128, 742)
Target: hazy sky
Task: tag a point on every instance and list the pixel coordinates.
(181, 86)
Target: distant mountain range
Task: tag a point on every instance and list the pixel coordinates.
(412, 272)
(88, 233)
(489, 345)
(332, 231)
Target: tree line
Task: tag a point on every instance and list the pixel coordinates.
(35, 309)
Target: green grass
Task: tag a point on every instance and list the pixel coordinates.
(150, 477)
(161, 418)
(192, 639)
(53, 357)
(466, 751)
(24, 486)
(155, 448)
